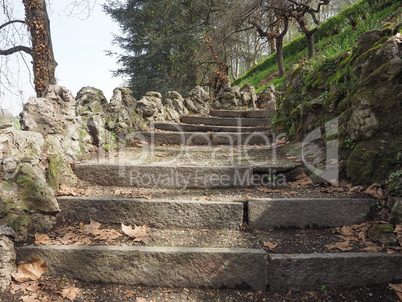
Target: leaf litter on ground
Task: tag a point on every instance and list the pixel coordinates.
(357, 234)
(93, 233)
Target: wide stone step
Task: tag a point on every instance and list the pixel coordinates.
(268, 213)
(204, 139)
(154, 213)
(224, 121)
(215, 267)
(338, 270)
(169, 126)
(180, 177)
(243, 113)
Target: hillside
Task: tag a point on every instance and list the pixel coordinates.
(336, 36)
(355, 81)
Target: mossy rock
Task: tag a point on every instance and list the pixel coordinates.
(373, 160)
(35, 194)
(58, 172)
(383, 234)
(396, 212)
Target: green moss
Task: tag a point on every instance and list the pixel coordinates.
(35, 194)
(18, 223)
(53, 176)
(371, 161)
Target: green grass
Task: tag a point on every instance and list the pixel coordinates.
(335, 37)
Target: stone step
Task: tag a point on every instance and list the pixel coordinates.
(268, 213)
(262, 214)
(204, 139)
(243, 113)
(169, 126)
(224, 121)
(180, 177)
(154, 213)
(215, 267)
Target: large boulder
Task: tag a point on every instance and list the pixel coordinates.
(236, 98)
(51, 114)
(152, 107)
(197, 101)
(93, 110)
(27, 203)
(267, 99)
(174, 104)
(228, 98)
(248, 96)
(124, 117)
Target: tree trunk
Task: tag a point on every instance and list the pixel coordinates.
(279, 53)
(310, 44)
(44, 64)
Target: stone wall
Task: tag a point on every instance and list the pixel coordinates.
(363, 89)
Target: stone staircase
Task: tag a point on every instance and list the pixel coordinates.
(222, 127)
(211, 266)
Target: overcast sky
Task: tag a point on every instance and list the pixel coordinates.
(79, 48)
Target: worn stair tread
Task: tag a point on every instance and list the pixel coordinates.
(267, 213)
(215, 267)
(155, 266)
(243, 113)
(155, 212)
(202, 138)
(180, 127)
(224, 121)
(180, 177)
(261, 159)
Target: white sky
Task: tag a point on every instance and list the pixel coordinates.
(79, 48)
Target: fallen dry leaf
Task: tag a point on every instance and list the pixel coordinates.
(343, 246)
(398, 289)
(139, 233)
(31, 298)
(129, 294)
(375, 191)
(302, 180)
(356, 189)
(92, 227)
(347, 231)
(370, 249)
(33, 287)
(264, 189)
(66, 190)
(42, 239)
(70, 293)
(270, 245)
(30, 271)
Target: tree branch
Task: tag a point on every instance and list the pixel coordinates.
(11, 22)
(16, 49)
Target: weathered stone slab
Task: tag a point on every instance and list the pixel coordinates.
(267, 213)
(168, 126)
(203, 138)
(155, 266)
(224, 121)
(311, 271)
(7, 261)
(180, 177)
(243, 113)
(155, 213)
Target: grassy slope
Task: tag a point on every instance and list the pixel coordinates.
(335, 37)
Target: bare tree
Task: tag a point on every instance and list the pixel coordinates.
(299, 12)
(40, 46)
(271, 21)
